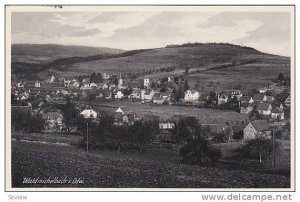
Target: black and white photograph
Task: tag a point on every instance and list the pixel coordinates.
(150, 98)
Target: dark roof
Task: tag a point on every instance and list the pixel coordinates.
(258, 96)
(263, 106)
(245, 98)
(245, 105)
(278, 110)
(260, 126)
(270, 98)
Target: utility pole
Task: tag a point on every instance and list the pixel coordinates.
(273, 148)
(87, 137)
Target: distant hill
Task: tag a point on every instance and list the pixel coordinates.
(195, 56)
(37, 53)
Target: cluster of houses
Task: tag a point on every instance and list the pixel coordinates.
(60, 87)
(265, 105)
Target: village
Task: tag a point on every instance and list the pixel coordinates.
(253, 114)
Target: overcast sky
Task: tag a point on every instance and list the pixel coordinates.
(267, 32)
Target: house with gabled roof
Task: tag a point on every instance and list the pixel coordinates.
(256, 129)
(191, 95)
(246, 99)
(89, 113)
(54, 121)
(122, 118)
(259, 97)
(118, 94)
(287, 101)
(277, 114)
(246, 108)
(264, 108)
(270, 99)
(147, 94)
(37, 84)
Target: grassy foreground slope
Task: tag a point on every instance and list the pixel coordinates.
(108, 169)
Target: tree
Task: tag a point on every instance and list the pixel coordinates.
(186, 85)
(186, 70)
(178, 94)
(26, 122)
(187, 128)
(258, 148)
(70, 113)
(280, 77)
(142, 132)
(93, 77)
(198, 149)
(254, 114)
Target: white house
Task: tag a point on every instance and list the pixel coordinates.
(20, 85)
(51, 79)
(37, 84)
(222, 98)
(119, 110)
(119, 95)
(147, 83)
(105, 75)
(93, 85)
(263, 90)
(166, 125)
(74, 84)
(191, 95)
(256, 129)
(147, 94)
(288, 101)
(89, 113)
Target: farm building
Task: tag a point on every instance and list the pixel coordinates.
(256, 129)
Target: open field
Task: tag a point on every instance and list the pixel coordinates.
(243, 77)
(108, 169)
(205, 115)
